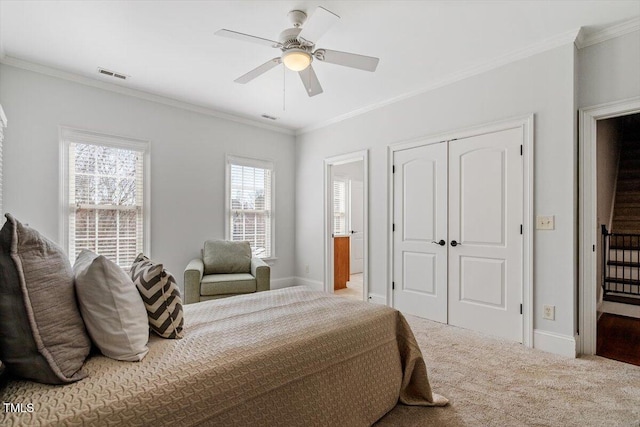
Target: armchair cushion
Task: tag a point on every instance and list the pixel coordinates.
(222, 256)
(223, 284)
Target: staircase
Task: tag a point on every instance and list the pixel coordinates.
(626, 212)
(622, 260)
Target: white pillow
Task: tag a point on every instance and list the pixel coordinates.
(111, 307)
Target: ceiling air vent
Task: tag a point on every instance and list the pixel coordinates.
(112, 74)
(266, 116)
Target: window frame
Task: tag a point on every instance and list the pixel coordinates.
(347, 206)
(255, 163)
(69, 135)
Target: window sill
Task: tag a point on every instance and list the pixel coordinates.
(270, 261)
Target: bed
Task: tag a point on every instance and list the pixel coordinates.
(290, 357)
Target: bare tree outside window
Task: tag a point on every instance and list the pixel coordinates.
(105, 193)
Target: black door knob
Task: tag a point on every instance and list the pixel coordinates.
(454, 243)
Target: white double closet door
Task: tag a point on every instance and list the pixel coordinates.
(457, 213)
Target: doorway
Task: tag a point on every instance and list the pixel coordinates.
(461, 229)
(600, 179)
(346, 219)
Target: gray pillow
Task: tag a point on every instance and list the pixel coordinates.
(221, 257)
(42, 336)
(111, 308)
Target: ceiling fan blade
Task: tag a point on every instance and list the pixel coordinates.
(310, 81)
(247, 38)
(318, 24)
(353, 60)
(256, 72)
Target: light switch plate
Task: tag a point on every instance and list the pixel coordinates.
(545, 222)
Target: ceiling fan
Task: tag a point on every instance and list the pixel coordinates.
(298, 46)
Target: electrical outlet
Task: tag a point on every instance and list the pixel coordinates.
(549, 312)
(545, 222)
(306, 269)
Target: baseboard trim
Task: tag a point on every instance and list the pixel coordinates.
(315, 284)
(551, 342)
(377, 299)
(284, 282)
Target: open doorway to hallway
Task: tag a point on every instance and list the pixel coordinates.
(346, 229)
(618, 217)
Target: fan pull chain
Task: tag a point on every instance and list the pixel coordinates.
(284, 88)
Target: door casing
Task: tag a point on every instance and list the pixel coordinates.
(526, 124)
(587, 187)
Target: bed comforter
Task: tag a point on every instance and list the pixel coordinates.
(290, 357)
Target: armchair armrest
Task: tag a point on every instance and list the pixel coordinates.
(192, 278)
(262, 272)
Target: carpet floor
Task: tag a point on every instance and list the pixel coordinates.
(353, 289)
(494, 382)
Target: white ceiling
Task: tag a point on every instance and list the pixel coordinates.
(169, 48)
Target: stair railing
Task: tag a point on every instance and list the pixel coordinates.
(620, 264)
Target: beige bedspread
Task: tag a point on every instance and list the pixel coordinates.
(281, 358)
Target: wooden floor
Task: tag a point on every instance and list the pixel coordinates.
(619, 338)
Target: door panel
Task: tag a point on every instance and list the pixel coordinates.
(419, 180)
(482, 281)
(420, 215)
(485, 214)
(357, 227)
(482, 198)
(416, 264)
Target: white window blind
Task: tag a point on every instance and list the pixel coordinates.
(106, 198)
(339, 207)
(250, 204)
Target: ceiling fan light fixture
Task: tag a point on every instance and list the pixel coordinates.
(296, 59)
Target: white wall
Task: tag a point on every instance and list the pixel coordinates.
(187, 162)
(542, 84)
(609, 71)
(607, 155)
(353, 171)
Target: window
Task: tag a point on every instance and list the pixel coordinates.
(339, 207)
(105, 196)
(250, 204)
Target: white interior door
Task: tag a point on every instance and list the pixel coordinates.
(485, 217)
(420, 216)
(357, 227)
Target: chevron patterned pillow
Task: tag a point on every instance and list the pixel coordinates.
(161, 297)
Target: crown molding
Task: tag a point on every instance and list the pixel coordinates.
(578, 36)
(87, 81)
(2, 53)
(585, 39)
(516, 55)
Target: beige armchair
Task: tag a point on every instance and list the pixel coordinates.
(225, 269)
